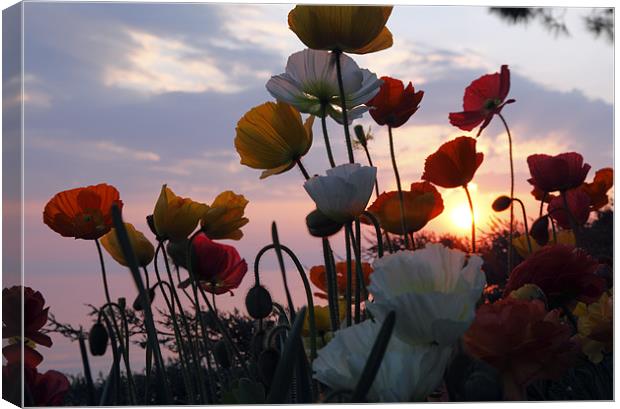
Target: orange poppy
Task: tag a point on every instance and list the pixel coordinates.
(318, 276)
(422, 204)
(84, 212)
(454, 164)
(597, 190)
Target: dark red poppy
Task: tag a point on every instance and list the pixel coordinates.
(454, 164)
(578, 205)
(540, 195)
(563, 272)
(13, 355)
(394, 104)
(35, 316)
(597, 190)
(557, 173)
(218, 267)
(483, 98)
(47, 389)
(523, 341)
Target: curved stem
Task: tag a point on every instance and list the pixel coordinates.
(103, 273)
(473, 221)
(401, 198)
(527, 231)
(302, 168)
(377, 226)
(328, 147)
(343, 104)
(332, 293)
(512, 190)
(542, 202)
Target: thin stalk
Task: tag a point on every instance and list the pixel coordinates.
(302, 168)
(375, 223)
(332, 294)
(343, 104)
(348, 291)
(573, 222)
(365, 146)
(527, 231)
(401, 198)
(328, 147)
(90, 388)
(473, 221)
(542, 202)
(512, 190)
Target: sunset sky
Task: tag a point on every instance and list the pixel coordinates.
(137, 95)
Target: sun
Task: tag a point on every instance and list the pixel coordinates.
(461, 216)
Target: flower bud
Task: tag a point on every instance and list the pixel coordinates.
(98, 339)
(501, 203)
(221, 354)
(361, 136)
(137, 304)
(540, 230)
(258, 302)
(320, 225)
(267, 364)
(529, 292)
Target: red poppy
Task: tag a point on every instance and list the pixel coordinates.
(318, 276)
(541, 195)
(13, 355)
(454, 164)
(578, 205)
(217, 266)
(83, 213)
(422, 204)
(48, 389)
(394, 104)
(483, 98)
(597, 190)
(563, 272)
(561, 172)
(35, 316)
(522, 340)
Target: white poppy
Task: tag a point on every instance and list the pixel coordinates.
(407, 372)
(310, 79)
(433, 291)
(343, 194)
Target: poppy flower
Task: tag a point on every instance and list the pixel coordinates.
(83, 213)
(597, 190)
(595, 327)
(541, 195)
(47, 389)
(176, 217)
(557, 173)
(563, 272)
(578, 205)
(520, 243)
(310, 84)
(35, 316)
(318, 277)
(343, 194)
(433, 290)
(422, 203)
(521, 340)
(454, 164)
(142, 247)
(322, 321)
(394, 104)
(406, 372)
(483, 98)
(224, 218)
(13, 355)
(218, 267)
(350, 29)
(272, 137)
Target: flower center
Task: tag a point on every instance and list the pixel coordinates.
(491, 104)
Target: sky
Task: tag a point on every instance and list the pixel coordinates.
(138, 95)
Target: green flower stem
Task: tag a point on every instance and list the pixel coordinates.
(87, 374)
(206, 341)
(377, 226)
(473, 221)
(401, 199)
(573, 222)
(307, 289)
(302, 168)
(512, 190)
(343, 104)
(328, 147)
(527, 230)
(348, 291)
(128, 254)
(115, 372)
(542, 202)
(332, 293)
(124, 353)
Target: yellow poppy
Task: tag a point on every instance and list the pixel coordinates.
(272, 137)
(142, 247)
(351, 29)
(176, 217)
(520, 243)
(224, 218)
(322, 321)
(595, 327)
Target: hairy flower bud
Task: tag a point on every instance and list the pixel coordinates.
(501, 203)
(320, 225)
(258, 302)
(540, 230)
(98, 339)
